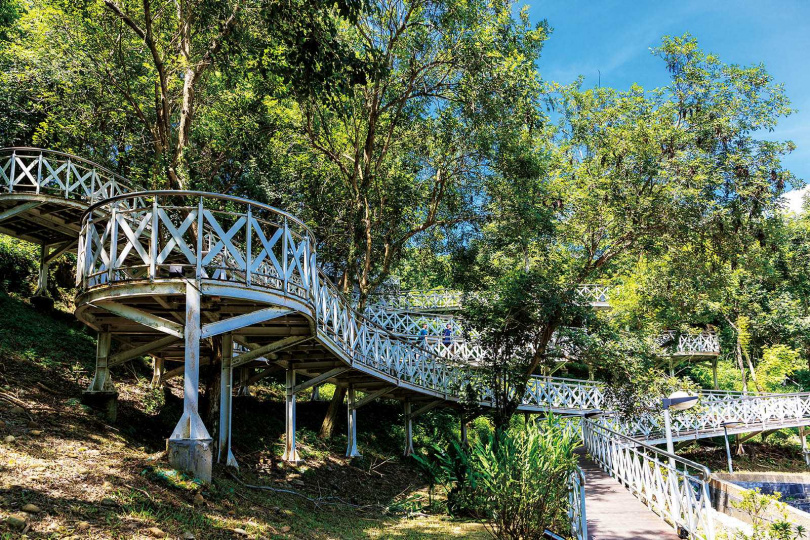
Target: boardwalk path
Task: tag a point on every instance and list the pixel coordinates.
(613, 512)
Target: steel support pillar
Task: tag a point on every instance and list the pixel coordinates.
(290, 450)
(244, 385)
(714, 373)
(316, 393)
(803, 438)
(44, 266)
(190, 445)
(351, 407)
(102, 393)
(157, 371)
(226, 404)
(408, 429)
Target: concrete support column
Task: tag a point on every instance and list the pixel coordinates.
(157, 371)
(226, 404)
(408, 429)
(290, 450)
(190, 445)
(244, 375)
(351, 447)
(102, 393)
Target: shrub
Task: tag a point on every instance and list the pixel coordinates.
(756, 505)
(516, 479)
(18, 265)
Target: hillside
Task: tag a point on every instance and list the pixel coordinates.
(89, 479)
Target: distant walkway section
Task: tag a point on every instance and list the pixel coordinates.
(613, 512)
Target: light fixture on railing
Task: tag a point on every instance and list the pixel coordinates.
(677, 401)
(729, 424)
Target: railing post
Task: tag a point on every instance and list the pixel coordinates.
(248, 248)
(39, 173)
(153, 241)
(200, 227)
(11, 177)
(113, 244)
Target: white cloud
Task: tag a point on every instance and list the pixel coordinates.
(794, 199)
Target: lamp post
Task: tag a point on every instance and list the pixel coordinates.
(677, 401)
(726, 425)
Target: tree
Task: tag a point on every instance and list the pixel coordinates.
(410, 145)
(630, 174)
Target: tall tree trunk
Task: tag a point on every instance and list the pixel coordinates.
(330, 419)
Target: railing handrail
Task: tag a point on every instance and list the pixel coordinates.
(72, 157)
(705, 471)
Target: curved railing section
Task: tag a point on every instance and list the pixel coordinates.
(153, 235)
(416, 300)
(675, 488)
(45, 172)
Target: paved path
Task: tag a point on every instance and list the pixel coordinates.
(613, 512)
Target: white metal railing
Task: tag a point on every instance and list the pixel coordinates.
(444, 299)
(674, 488)
(151, 235)
(154, 235)
(576, 506)
(45, 172)
(752, 413)
(596, 295)
(706, 342)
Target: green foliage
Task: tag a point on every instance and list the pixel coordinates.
(18, 264)
(758, 506)
(515, 479)
(154, 399)
(777, 364)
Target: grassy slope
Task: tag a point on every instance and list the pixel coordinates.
(93, 480)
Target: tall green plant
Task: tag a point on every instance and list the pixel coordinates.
(516, 480)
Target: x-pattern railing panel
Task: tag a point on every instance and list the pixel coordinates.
(706, 342)
(41, 172)
(417, 300)
(675, 488)
(594, 294)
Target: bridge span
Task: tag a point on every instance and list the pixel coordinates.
(188, 277)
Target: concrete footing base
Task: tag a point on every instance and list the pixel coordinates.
(106, 402)
(193, 456)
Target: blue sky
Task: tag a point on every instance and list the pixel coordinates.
(615, 37)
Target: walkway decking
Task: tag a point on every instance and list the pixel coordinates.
(613, 512)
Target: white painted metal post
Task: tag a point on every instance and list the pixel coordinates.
(44, 265)
(244, 376)
(190, 443)
(157, 371)
(408, 429)
(290, 450)
(351, 448)
(102, 393)
(226, 403)
(102, 382)
(803, 437)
